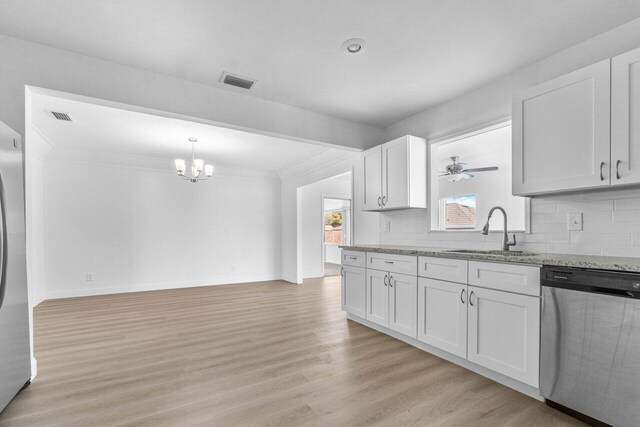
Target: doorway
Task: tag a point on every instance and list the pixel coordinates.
(336, 226)
(327, 200)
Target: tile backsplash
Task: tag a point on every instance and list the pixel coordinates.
(611, 226)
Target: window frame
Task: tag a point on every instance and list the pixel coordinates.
(467, 133)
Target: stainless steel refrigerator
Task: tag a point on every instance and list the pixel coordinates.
(15, 358)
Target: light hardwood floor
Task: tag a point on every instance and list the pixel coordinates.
(266, 353)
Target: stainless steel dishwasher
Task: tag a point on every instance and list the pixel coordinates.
(590, 345)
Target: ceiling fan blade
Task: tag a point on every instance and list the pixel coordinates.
(489, 168)
(444, 174)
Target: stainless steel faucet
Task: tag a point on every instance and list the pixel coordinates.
(505, 240)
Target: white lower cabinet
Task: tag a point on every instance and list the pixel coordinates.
(403, 292)
(377, 290)
(504, 333)
(354, 290)
(391, 301)
(442, 315)
(490, 317)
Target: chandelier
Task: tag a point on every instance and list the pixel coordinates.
(197, 166)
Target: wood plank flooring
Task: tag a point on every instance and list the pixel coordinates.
(267, 353)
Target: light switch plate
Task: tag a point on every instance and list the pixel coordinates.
(387, 226)
(574, 221)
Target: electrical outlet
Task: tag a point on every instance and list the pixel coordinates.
(574, 221)
(89, 277)
(387, 226)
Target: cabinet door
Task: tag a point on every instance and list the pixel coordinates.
(395, 173)
(442, 315)
(504, 333)
(354, 290)
(403, 303)
(625, 125)
(561, 133)
(377, 296)
(372, 179)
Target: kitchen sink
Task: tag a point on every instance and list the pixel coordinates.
(495, 252)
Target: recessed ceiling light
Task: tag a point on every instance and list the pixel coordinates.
(354, 46)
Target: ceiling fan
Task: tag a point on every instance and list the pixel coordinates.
(456, 170)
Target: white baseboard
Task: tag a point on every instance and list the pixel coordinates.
(499, 378)
(107, 290)
(290, 279)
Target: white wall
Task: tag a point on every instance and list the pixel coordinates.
(491, 188)
(611, 218)
(34, 198)
(312, 221)
(141, 229)
(332, 254)
(492, 102)
(24, 63)
(365, 224)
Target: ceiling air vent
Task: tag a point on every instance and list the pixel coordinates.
(61, 116)
(237, 81)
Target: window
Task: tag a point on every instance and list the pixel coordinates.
(459, 212)
(470, 175)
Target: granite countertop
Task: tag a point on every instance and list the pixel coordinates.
(562, 260)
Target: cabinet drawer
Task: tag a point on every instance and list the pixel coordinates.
(354, 258)
(451, 270)
(522, 279)
(403, 264)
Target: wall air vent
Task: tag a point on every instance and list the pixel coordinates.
(61, 116)
(237, 81)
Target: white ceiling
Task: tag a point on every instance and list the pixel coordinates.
(101, 129)
(420, 52)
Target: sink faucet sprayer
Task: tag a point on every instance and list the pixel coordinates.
(505, 241)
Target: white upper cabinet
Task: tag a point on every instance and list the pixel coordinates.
(395, 181)
(561, 133)
(395, 175)
(625, 118)
(372, 170)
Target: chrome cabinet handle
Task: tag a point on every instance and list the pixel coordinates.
(390, 279)
(379, 199)
(601, 176)
(342, 271)
(471, 300)
(388, 262)
(384, 203)
(353, 258)
(462, 296)
(618, 169)
(385, 280)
